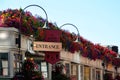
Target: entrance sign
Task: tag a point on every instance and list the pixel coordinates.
(47, 46)
(51, 47)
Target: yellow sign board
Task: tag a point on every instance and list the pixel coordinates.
(47, 46)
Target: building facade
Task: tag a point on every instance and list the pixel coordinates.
(75, 65)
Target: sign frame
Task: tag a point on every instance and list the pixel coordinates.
(47, 46)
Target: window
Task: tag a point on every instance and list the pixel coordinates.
(42, 66)
(97, 74)
(81, 72)
(44, 69)
(74, 69)
(17, 62)
(3, 64)
(93, 74)
(87, 73)
(67, 65)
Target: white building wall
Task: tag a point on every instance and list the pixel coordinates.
(73, 57)
(7, 37)
(7, 43)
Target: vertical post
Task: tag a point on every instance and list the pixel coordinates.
(103, 65)
(116, 70)
(49, 71)
(10, 61)
(19, 41)
(79, 72)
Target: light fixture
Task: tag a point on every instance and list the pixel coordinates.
(4, 35)
(46, 20)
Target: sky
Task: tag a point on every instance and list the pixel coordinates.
(98, 21)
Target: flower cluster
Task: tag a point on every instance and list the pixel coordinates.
(116, 62)
(32, 25)
(86, 48)
(28, 72)
(28, 65)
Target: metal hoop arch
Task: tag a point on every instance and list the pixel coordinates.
(71, 25)
(46, 21)
(39, 7)
(78, 39)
